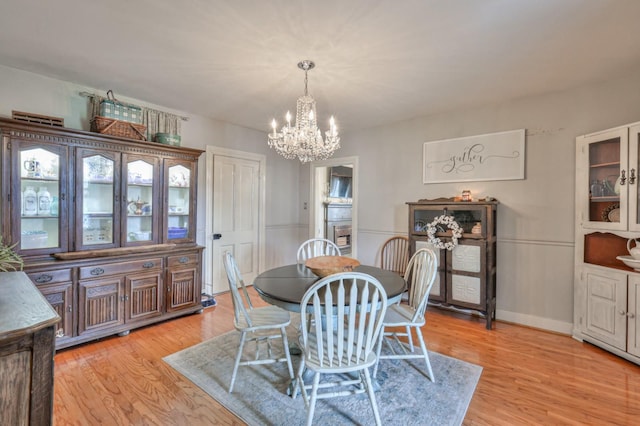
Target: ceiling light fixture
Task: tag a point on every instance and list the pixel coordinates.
(304, 140)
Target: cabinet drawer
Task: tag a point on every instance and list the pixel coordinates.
(184, 259)
(105, 269)
(48, 277)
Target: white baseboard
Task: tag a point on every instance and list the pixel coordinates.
(536, 322)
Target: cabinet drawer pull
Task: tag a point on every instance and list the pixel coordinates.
(97, 271)
(44, 278)
(184, 259)
(623, 177)
(148, 265)
(632, 177)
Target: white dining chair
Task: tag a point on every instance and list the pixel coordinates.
(259, 325)
(317, 247)
(347, 310)
(420, 275)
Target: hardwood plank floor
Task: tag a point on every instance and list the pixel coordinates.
(529, 377)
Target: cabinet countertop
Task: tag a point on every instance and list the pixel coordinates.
(453, 201)
(23, 309)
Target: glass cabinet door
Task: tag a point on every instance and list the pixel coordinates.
(604, 180)
(633, 188)
(41, 196)
(96, 196)
(470, 219)
(179, 201)
(142, 203)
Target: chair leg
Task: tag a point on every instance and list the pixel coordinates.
(426, 355)
(314, 397)
(410, 337)
(285, 343)
(372, 396)
(378, 350)
(237, 363)
(299, 385)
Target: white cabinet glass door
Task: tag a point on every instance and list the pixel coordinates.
(603, 180)
(633, 186)
(142, 206)
(41, 196)
(96, 197)
(179, 199)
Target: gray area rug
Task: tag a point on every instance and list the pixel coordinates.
(406, 396)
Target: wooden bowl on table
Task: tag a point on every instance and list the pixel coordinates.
(323, 266)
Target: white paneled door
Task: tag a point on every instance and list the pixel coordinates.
(236, 216)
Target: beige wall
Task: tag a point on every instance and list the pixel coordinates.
(536, 215)
(535, 231)
(24, 91)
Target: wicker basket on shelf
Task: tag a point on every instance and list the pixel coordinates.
(122, 129)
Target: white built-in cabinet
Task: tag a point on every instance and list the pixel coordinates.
(612, 299)
(606, 290)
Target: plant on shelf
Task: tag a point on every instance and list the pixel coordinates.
(9, 259)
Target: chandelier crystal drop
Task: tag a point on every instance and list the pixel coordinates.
(304, 140)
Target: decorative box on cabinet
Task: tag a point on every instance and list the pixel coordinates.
(97, 220)
(466, 277)
(606, 291)
(27, 324)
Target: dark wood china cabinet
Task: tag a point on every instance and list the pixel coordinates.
(106, 226)
(466, 279)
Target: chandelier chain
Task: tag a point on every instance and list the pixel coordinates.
(306, 81)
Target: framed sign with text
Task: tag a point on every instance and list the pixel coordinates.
(495, 156)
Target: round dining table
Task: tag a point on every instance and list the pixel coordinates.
(285, 286)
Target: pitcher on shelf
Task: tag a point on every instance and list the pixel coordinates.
(634, 252)
(135, 207)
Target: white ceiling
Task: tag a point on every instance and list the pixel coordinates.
(377, 61)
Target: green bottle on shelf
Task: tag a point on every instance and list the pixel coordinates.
(54, 206)
(607, 189)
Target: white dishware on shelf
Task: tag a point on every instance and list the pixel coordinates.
(30, 202)
(630, 262)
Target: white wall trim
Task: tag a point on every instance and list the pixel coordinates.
(569, 244)
(535, 321)
(296, 226)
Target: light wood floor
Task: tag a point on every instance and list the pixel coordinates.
(529, 376)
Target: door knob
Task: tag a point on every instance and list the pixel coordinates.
(217, 236)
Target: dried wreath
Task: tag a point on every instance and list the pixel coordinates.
(450, 223)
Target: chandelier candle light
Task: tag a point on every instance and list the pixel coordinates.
(304, 139)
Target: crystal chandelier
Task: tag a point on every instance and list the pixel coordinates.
(304, 140)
